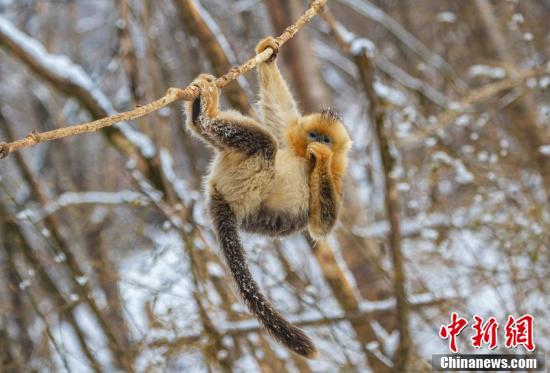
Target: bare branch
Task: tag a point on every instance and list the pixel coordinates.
(366, 70)
(371, 11)
(347, 41)
(237, 329)
(172, 94)
(197, 22)
(476, 96)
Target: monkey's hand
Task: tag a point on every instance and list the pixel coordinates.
(209, 91)
(268, 42)
(324, 199)
(209, 96)
(319, 153)
(203, 110)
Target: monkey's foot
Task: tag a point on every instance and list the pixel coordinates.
(208, 77)
(209, 96)
(268, 42)
(319, 152)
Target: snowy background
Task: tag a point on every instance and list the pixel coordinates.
(108, 262)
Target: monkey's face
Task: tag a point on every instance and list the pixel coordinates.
(323, 128)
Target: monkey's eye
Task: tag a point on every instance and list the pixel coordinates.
(326, 140)
(312, 136)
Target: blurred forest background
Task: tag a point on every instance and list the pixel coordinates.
(108, 262)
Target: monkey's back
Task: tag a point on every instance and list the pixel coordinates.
(244, 181)
(263, 192)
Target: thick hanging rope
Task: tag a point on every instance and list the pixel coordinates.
(172, 94)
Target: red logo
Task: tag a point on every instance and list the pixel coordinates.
(485, 333)
(517, 331)
(520, 332)
(453, 329)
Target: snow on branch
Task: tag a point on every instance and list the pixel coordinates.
(61, 71)
(376, 14)
(466, 104)
(84, 198)
(354, 45)
(7, 31)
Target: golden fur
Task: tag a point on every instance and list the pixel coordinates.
(341, 143)
(275, 177)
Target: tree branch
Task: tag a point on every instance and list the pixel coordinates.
(244, 327)
(172, 94)
(366, 69)
(196, 22)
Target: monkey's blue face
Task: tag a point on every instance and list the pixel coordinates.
(314, 136)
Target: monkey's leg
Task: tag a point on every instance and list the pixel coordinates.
(231, 129)
(225, 225)
(241, 134)
(325, 201)
(278, 105)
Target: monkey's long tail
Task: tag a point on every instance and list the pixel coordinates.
(225, 224)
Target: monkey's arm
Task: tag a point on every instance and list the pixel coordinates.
(278, 106)
(226, 129)
(325, 198)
